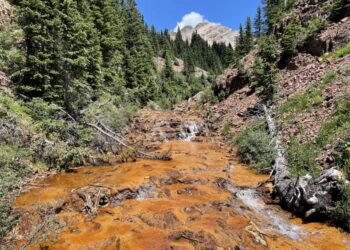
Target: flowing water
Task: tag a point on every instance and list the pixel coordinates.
(202, 199)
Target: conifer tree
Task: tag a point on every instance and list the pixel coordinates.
(264, 70)
(168, 71)
(38, 20)
(79, 56)
(189, 65)
(139, 67)
(248, 37)
(258, 23)
(240, 47)
(109, 23)
(179, 44)
(154, 40)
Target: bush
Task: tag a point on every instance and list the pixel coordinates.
(293, 35)
(208, 96)
(11, 57)
(315, 25)
(14, 165)
(340, 213)
(341, 9)
(255, 147)
(301, 158)
(337, 128)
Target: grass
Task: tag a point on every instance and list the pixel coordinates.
(301, 158)
(339, 53)
(309, 99)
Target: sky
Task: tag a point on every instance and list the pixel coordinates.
(171, 13)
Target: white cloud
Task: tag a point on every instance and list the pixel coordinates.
(190, 19)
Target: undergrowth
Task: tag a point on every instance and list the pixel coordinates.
(339, 53)
(256, 148)
(310, 99)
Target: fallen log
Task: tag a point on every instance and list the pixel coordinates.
(304, 195)
(164, 157)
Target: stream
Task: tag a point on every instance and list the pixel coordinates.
(202, 199)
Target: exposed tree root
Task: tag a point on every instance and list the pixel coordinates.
(304, 195)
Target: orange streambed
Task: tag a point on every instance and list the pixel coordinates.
(185, 209)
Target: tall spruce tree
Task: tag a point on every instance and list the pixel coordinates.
(79, 56)
(39, 21)
(110, 25)
(248, 36)
(240, 47)
(179, 44)
(139, 67)
(258, 23)
(154, 40)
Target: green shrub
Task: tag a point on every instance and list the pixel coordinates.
(343, 157)
(340, 9)
(255, 147)
(11, 57)
(14, 165)
(208, 96)
(341, 210)
(315, 25)
(301, 158)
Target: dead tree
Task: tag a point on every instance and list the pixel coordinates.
(304, 195)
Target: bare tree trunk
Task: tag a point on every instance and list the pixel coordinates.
(303, 195)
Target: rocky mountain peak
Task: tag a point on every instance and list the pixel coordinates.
(210, 32)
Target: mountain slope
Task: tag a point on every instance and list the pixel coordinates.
(210, 32)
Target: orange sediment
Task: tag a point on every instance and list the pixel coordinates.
(187, 209)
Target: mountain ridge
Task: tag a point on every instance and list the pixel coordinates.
(211, 32)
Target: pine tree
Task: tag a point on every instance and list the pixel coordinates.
(264, 70)
(179, 44)
(189, 65)
(248, 37)
(109, 23)
(78, 57)
(154, 41)
(139, 67)
(240, 41)
(168, 71)
(38, 20)
(258, 23)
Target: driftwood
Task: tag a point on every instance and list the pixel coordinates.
(304, 196)
(165, 156)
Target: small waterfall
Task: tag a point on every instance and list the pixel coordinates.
(189, 131)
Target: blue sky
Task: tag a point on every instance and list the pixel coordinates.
(167, 13)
